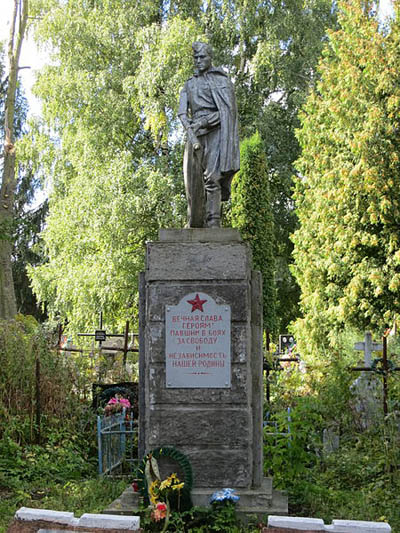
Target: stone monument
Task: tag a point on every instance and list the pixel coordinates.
(201, 360)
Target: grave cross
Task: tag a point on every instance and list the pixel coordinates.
(368, 347)
(275, 366)
(100, 335)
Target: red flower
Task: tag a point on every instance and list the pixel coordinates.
(159, 512)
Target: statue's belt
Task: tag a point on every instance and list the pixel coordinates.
(204, 131)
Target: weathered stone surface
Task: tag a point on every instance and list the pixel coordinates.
(237, 394)
(295, 523)
(249, 498)
(220, 467)
(214, 427)
(127, 504)
(235, 294)
(211, 261)
(199, 427)
(222, 235)
(29, 520)
(34, 526)
(256, 366)
(155, 342)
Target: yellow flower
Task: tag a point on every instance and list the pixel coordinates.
(153, 491)
(179, 486)
(165, 484)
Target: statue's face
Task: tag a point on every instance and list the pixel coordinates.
(202, 61)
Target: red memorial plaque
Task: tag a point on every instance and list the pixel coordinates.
(198, 343)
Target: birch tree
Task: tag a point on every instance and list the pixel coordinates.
(8, 306)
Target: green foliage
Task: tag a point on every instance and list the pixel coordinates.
(109, 141)
(350, 483)
(220, 518)
(288, 442)
(55, 473)
(252, 214)
(83, 496)
(23, 228)
(23, 342)
(360, 480)
(63, 456)
(347, 246)
(165, 64)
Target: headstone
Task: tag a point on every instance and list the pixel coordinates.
(330, 441)
(201, 360)
(286, 343)
(367, 388)
(366, 403)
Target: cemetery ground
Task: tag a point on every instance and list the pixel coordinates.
(56, 468)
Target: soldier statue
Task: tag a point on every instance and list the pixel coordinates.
(208, 112)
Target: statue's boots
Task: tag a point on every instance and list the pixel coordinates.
(213, 207)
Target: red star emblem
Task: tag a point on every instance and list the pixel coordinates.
(197, 303)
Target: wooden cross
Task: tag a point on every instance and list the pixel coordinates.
(101, 335)
(368, 347)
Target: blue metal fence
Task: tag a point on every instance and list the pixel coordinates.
(117, 444)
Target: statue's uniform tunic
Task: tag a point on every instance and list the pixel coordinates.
(208, 172)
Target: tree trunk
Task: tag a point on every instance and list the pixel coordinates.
(8, 305)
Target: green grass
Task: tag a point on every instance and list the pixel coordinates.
(360, 481)
(78, 496)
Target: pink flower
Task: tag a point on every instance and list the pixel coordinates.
(122, 401)
(112, 401)
(159, 512)
(125, 402)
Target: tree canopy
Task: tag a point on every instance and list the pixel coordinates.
(110, 142)
(347, 246)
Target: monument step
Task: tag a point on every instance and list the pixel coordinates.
(127, 504)
(260, 497)
(278, 505)
(260, 502)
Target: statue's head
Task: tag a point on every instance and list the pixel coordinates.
(202, 56)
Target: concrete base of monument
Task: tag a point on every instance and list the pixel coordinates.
(260, 502)
(127, 504)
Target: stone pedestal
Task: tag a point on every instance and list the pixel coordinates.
(218, 429)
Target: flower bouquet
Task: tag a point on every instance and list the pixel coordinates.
(116, 405)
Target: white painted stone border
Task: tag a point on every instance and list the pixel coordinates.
(101, 521)
(110, 521)
(28, 514)
(337, 526)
